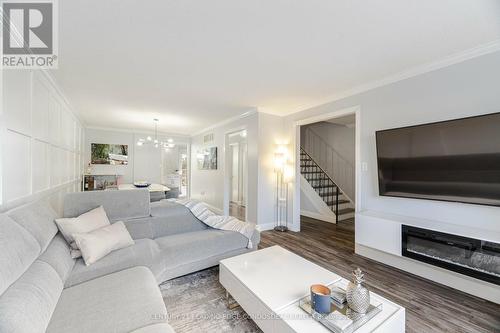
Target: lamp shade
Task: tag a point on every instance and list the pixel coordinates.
(279, 161)
(288, 173)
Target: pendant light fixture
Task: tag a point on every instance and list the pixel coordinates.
(157, 143)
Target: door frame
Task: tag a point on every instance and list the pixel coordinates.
(227, 170)
(356, 110)
(231, 170)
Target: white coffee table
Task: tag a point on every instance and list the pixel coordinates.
(268, 283)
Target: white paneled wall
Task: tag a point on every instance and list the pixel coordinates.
(41, 140)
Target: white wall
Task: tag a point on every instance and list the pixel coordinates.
(171, 160)
(41, 140)
(306, 204)
(147, 162)
(270, 135)
(465, 89)
(144, 161)
(339, 137)
(210, 185)
(263, 132)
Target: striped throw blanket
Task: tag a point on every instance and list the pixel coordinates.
(205, 215)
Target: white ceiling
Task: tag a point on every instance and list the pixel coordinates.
(194, 63)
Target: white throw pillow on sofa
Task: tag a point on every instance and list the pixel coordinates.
(89, 221)
(97, 244)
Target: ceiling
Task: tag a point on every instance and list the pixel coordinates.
(194, 63)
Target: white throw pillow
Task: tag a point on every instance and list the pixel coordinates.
(89, 221)
(97, 244)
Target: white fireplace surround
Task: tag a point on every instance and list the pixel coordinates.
(378, 236)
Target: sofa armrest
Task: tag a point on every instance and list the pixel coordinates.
(255, 239)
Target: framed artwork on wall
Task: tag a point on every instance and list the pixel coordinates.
(207, 158)
(102, 153)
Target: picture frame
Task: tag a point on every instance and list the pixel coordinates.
(207, 158)
(110, 154)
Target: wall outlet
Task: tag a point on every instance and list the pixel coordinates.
(364, 166)
(202, 193)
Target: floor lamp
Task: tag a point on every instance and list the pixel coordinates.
(281, 193)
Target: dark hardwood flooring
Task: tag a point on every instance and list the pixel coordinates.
(430, 307)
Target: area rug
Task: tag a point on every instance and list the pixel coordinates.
(197, 303)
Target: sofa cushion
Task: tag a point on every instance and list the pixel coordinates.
(38, 218)
(86, 222)
(18, 250)
(27, 305)
(172, 218)
(144, 252)
(99, 243)
(119, 205)
(58, 256)
(140, 228)
(184, 248)
(120, 303)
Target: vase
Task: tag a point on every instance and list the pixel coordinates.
(358, 297)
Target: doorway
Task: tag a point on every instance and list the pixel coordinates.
(327, 167)
(236, 149)
(174, 170)
(327, 159)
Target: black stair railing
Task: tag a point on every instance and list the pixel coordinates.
(320, 181)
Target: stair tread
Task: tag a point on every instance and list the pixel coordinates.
(323, 186)
(330, 194)
(346, 211)
(332, 203)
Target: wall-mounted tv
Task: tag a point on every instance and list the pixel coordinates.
(456, 160)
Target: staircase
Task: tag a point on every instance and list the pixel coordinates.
(325, 187)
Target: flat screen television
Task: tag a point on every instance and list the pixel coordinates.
(456, 160)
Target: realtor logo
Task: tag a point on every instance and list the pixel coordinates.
(29, 32)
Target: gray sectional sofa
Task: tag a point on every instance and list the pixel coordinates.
(42, 289)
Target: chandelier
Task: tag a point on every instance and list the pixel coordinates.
(155, 141)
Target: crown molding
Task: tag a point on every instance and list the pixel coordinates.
(456, 58)
(225, 122)
(137, 131)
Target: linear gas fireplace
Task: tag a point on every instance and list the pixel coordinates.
(473, 257)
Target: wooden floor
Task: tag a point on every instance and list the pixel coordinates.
(430, 307)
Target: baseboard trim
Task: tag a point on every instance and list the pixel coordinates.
(270, 226)
(215, 209)
(318, 216)
(436, 274)
(265, 226)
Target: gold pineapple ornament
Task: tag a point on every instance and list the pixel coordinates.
(358, 297)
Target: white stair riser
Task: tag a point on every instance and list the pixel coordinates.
(346, 216)
(344, 205)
